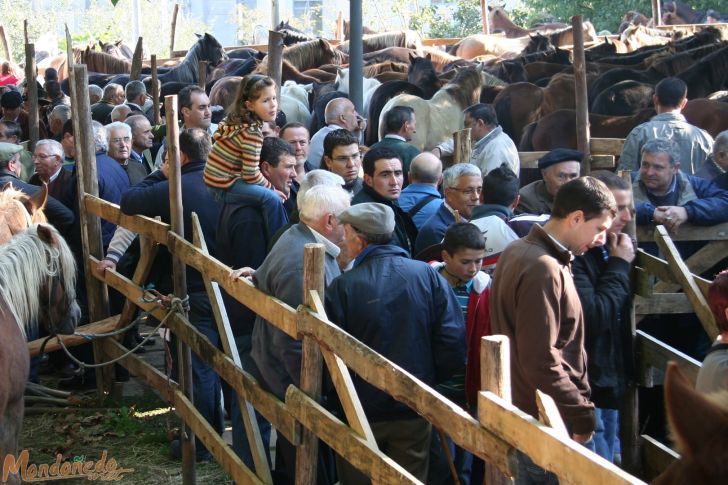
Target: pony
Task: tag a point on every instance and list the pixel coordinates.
(18, 210)
(636, 36)
(699, 425)
(37, 284)
(291, 35)
(368, 86)
(499, 20)
(294, 102)
(207, 48)
(681, 14)
(708, 75)
(374, 42)
(504, 48)
(623, 99)
(422, 74)
(308, 55)
(101, 62)
(223, 91)
(439, 117)
(117, 49)
(708, 114)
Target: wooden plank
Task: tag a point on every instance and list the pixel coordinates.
(462, 147)
(30, 74)
(654, 353)
(243, 383)
(530, 160)
(663, 304)
(224, 454)
(688, 232)
(148, 251)
(661, 269)
(275, 58)
(380, 372)
(155, 91)
(642, 282)
(144, 226)
(699, 262)
(607, 146)
(348, 444)
(252, 431)
(572, 462)
(656, 457)
(549, 414)
(103, 326)
(683, 275)
(173, 29)
(581, 100)
(5, 44)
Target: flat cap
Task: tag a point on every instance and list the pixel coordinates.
(11, 100)
(7, 150)
(369, 217)
(560, 155)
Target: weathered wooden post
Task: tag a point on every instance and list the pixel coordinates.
(582, 103)
(495, 376)
(275, 13)
(173, 29)
(275, 58)
(6, 44)
(136, 61)
(462, 149)
(339, 33)
(184, 356)
(356, 57)
(311, 361)
(155, 91)
(201, 73)
(656, 13)
(32, 86)
(484, 16)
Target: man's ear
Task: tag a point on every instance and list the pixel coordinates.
(683, 103)
(368, 180)
(575, 217)
(515, 202)
(265, 169)
(327, 162)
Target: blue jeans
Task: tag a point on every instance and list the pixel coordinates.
(240, 439)
(274, 214)
(606, 440)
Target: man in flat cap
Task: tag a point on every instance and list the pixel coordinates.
(557, 167)
(407, 312)
(58, 215)
(11, 105)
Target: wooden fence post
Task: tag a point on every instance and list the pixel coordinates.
(462, 148)
(485, 20)
(155, 91)
(173, 29)
(275, 58)
(495, 376)
(582, 103)
(32, 85)
(201, 73)
(6, 44)
(136, 60)
(311, 362)
(184, 356)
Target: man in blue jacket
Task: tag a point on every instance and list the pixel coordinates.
(407, 312)
(665, 195)
(150, 198)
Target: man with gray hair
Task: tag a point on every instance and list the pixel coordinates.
(339, 113)
(95, 93)
(118, 137)
(113, 96)
(136, 96)
(57, 118)
(278, 356)
(420, 199)
(120, 113)
(48, 161)
(385, 301)
(663, 194)
(716, 165)
(462, 185)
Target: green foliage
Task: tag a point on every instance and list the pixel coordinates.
(460, 21)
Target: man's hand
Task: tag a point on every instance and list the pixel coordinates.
(670, 216)
(582, 438)
(620, 246)
(242, 273)
(281, 196)
(102, 266)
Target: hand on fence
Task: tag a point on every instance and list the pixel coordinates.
(582, 438)
(620, 246)
(102, 266)
(242, 273)
(670, 216)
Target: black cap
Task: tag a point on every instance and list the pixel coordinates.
(11, 100)
(560, 155)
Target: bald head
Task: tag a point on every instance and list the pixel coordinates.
(341, 111)
(425, 168)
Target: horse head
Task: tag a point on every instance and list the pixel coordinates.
(700, 426)
(210, 50)
(18, 210)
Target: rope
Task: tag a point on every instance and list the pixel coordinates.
(176, 305)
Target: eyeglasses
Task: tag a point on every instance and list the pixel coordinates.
(470, 191)
(43, 157)
(126, 139)
(346, 158)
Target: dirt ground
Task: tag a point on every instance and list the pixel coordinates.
(133, 431)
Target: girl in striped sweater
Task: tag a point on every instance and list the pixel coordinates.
(232, 170)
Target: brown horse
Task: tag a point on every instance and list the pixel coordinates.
(308, 55)
(700, 427)
(18, 210)
(37, 284)
(499, 20)
(558, 129)
(223, 91)
(374, 42)
(480, 45)
(364, 30)
(710, 115)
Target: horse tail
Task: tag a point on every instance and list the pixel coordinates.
(526, 142)
(453, 49)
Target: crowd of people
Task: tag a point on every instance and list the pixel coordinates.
(422, 258)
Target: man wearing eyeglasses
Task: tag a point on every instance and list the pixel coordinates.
(462, 185)
(48, 162)
(118, 136)
(557, 167)
(342, 157)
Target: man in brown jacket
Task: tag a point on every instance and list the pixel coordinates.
(534, 302)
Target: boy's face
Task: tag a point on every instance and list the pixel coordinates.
(465, 263)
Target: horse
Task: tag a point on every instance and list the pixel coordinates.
(308, 55)
(681, 14)
(636, 36)
(368, 86)
(101, 62)
(207, 48)
(699, 425)
(291, 35)
(117, 49)
(708, 114)
(294, 102)
(502, 47)
(223, 91)
(558, 129)
(623, 99)
(364, 30)
(499, 20)
(439, 117)
(422, 74)
(37, 284)
(18, 210)
(374, 42)
(708, 75)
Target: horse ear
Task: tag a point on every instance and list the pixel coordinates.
(37, 201)
(428, 57)
(8, 185)
(45, 234)
(198, 35)
(693, 419)
(412, 58)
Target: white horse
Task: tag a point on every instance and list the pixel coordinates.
(294, 102)
(438, 118)
(369, 85)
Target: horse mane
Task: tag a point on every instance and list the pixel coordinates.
(310, 53)
(103, 62)
(464, 85)
(374, 42)
(438, 56)
(25, 262)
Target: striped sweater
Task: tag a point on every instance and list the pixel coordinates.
(235, 155)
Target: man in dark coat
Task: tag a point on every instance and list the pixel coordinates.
(399, 126)
(385, 300)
